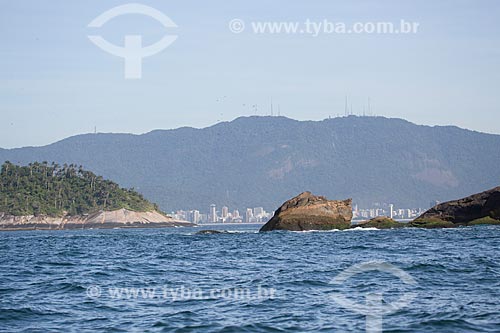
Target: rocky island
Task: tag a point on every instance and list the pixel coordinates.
(43, 196)
(480, 208)
(310, 212)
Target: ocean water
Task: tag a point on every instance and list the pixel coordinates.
(173, 280)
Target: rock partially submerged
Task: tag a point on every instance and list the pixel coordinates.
(121, 218)
(480, 208)
(380, 222)
(310, 212)
(210, 232)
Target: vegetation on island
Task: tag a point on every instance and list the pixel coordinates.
(381, 222)
(54, 190)
(484, 220)
(431, 223)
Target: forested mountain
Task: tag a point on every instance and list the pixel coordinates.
(263, 161)
(53, 190)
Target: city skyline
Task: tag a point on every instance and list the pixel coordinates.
(250, 215)
(259, 215)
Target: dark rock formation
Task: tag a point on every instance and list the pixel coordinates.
(210, 232)
(480, 208)
(310, 212)
(380, 222)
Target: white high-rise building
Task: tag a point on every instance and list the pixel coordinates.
(213, 213)
(225, 212)
(196, 216)
(258, 211)
(248, 215)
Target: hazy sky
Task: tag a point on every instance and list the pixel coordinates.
(56, 83)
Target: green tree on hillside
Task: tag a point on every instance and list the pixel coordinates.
(54, 190)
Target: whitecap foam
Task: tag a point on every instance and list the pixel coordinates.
(360, 228)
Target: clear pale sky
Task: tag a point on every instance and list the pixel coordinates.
(55, 83)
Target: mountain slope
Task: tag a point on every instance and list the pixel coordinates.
(262, 161)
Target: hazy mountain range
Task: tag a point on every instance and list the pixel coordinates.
(263, 161)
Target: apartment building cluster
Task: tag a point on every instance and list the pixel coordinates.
(224, 215)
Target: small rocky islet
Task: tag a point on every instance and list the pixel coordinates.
(311, 212)
(211, 232)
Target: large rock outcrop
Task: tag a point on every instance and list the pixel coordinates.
(310, 212)
(480, 208)
(121, 218)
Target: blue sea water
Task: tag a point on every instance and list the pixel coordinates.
(173, 280)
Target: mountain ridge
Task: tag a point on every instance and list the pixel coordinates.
(262, 161)
(159, 130)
